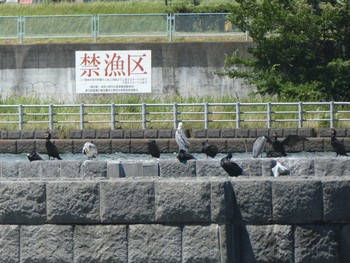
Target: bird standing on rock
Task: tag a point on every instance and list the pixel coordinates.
(291, 140)
(337, 145)
(259, 145)
(51, 149)
(209, 149)
(153, 149)
(231, 167)
(90, 150)
(181, 138)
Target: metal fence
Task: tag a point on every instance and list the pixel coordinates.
(116, 25)
(195, 115)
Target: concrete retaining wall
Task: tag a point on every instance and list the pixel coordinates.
(166, 211)
(47, 71)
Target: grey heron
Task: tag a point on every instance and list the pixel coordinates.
(181, 138)
(259, 145)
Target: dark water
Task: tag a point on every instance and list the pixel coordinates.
(140, 157)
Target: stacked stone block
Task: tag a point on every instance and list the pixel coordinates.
(121, 213)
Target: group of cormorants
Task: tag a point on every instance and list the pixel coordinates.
(210, 150)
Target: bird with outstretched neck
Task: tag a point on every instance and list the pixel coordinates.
(337, 145)
(51, 149)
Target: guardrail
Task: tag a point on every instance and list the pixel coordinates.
(117, 25)
(196, 115)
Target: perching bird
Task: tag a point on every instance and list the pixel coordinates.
(278, 169)
(291, 140)
(259, 145)
(231, 167)
(90, 150)
(209, 149)
(181, 138)
(51, 149)
(34, 156)
(184, 156)
(337, 145)
(153, 148)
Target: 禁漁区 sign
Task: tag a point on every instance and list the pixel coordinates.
(127, 71)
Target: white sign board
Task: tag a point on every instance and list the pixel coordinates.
(127, 71)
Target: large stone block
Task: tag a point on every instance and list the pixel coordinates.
(296, 201)
(174, 168)
(51, 170)
(94, 168)
(337, 166)
(70, 169)
(250, 167)
(127, 201)
(10, 170)
(46, 243)
(73, 202)
(182, 201)
(154, 243)
(100, 243)
(336, 200)
(252, 201)
(30, 170)
(264, 243)
(221, 201)
(316, 243)
(9, 146)
(202, 244)
(9, 244)
(22, 203)
(209, 168)
(121, 146)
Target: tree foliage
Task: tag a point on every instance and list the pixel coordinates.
(301, 47)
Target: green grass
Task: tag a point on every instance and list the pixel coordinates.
(106, 7)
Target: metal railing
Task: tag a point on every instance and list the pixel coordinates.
(117, 25)
(195, 115)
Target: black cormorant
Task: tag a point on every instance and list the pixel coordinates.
(337, 145)
(209, 149)
(153, 148)
(291, 140)
(34, 156)
(51, 149)
(231, 167)
(184, 156)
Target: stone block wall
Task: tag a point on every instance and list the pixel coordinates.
(135, 141)
(166, 211)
